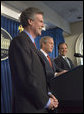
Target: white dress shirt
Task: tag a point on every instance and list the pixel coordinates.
(67, 60)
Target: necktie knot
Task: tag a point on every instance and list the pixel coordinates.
(66, 58)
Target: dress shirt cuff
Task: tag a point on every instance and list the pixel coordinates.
(48, 103)
(49, 93)
(55, 74)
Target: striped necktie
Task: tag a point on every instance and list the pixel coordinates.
(67, 61)
(49, 60)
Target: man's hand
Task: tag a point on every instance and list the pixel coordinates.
(54, 102)
(62, 72)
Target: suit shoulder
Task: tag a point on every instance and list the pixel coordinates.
(57, 58)
(20, 38)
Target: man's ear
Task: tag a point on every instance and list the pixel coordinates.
(30, 21)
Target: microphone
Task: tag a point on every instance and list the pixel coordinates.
(78, 55)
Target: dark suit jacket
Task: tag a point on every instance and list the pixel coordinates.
(61, 63)
(28, 76)
(49, 70)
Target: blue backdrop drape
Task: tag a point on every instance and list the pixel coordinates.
(11, 26)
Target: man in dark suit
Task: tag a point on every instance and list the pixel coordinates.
(62, 61)
(46, 45)
(30, 89)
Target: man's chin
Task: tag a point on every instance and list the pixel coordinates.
(63, 55)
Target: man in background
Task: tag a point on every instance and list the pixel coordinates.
(30, 89)
(46, 45)
(62, 61)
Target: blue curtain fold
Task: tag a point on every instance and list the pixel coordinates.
(11, 27)
(6, 87)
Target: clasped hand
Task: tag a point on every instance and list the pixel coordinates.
(54, 102)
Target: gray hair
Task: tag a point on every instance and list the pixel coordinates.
(29, 13)
(44, 40)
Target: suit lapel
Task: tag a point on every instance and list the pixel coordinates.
(27, 39)
(44, 59)
(64, 61)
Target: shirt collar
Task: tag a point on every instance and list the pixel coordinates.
(64, 56)
(44, 52)
(29, 35)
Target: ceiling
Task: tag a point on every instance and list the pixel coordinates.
(71, 11)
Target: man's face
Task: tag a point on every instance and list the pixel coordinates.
(63, 49)
(48, 46)
(37, 24)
